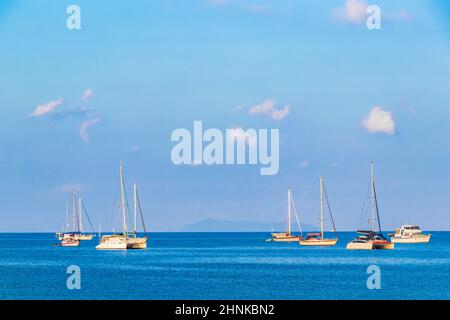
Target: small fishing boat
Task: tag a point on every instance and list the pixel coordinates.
(317, 239)
(372, 239)
(125, 240)
(409, 233)
(288, 236)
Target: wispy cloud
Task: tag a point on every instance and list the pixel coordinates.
(85, 125)
(268, 107)
(46, 108)
(304, 164)
(135, 149)
(379, 120)
(355, 12)
(240, 135)
(67, 188)
(88, 94)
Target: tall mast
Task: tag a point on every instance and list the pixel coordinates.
(80, 215)
(289, 211)
(321, 207)
(135, 207)
(372, 183)
(67, 217)
(122, 190)
(73, 211)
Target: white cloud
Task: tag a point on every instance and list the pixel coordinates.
(135, 149)
(379, 120)
(88, 93)
(46, 108)
(353, 11)
(240, 135)
(85, 125)
(304, 164)
(67, 188)
(268, 107)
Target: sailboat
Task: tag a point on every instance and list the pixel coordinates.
(317, 239)
(288, 236)
(77, 222)
(372, 239)
(126, 239)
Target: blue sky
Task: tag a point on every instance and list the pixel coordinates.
(150, 67)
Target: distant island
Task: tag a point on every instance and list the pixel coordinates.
(213, 225)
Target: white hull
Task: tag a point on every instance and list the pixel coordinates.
(370, 245)
(114, 242)
(119, 242)
(359, 246)
(285, 237)
(319, 242)
(413, 239)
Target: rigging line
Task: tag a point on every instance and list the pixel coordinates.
(364, 205)
(127, 205)
(114, 208)
(296, 216)
(376, 207)
(140, 211)
(87, 215)
(329, 207)
(76, 216)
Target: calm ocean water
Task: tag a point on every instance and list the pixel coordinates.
(221, 266)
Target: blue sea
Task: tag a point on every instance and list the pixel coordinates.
(221, 266)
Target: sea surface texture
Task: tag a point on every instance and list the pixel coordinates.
(221, 266)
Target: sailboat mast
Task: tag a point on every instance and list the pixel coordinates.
(372, 183)
(122, 190)
(289, 211)
(80, 215)
(73, 210)
(321, 207)
(67, 217)
(135, 207)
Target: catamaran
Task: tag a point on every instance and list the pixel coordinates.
(317, 239)
(410, 233)
(77, 232)
(288, 236)
(126, 239)
(372, 239)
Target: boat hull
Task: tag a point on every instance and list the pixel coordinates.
(383, 245)
(418, 239)
(359, 246)
(114, 242)
(137, 243)
(319, 242)
(287, 239)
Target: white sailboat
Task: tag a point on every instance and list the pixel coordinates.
(126, 239)
(288, 236)
(317, 239)
(368, 240)
(77, 231)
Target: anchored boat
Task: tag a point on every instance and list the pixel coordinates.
(288, 236)
(369, 240)
(410, 233)
(317, 239)
(77, 232)
(126, 239)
